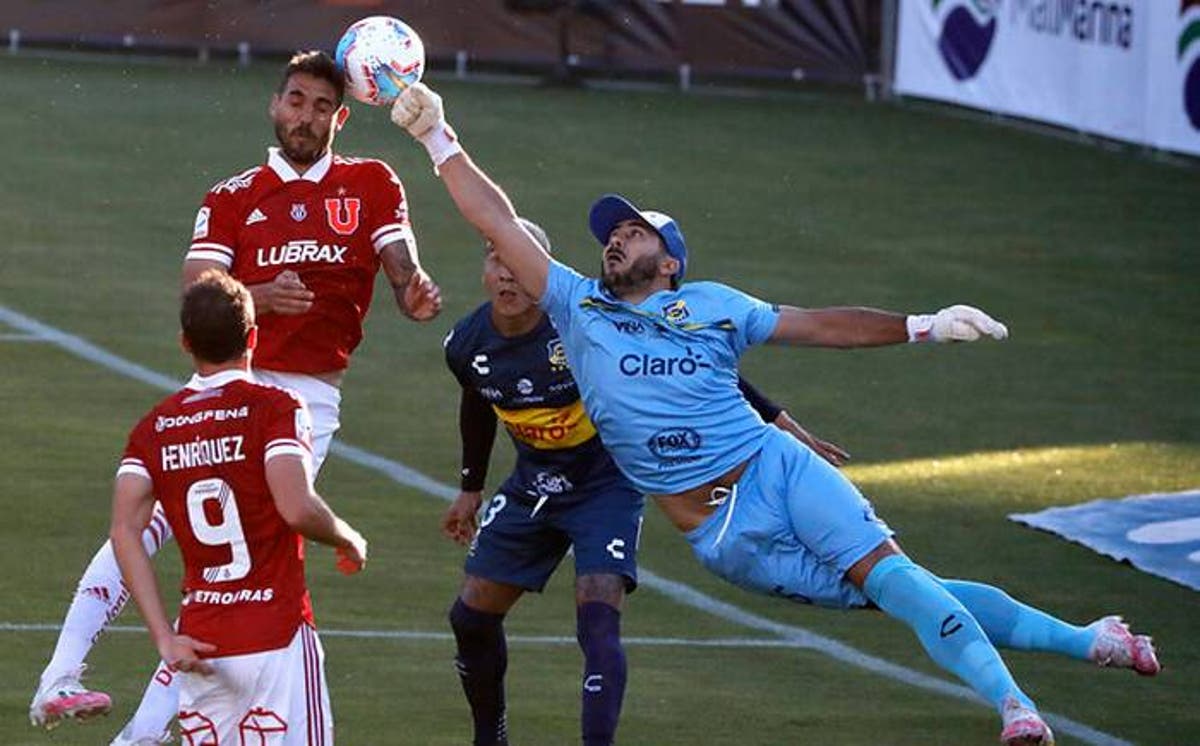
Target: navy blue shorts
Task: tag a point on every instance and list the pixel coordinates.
(521, 544)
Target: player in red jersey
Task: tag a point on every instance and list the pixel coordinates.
(307, 232)
(229, 462)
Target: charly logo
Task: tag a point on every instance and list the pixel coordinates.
(968, 29)
(1189, 47)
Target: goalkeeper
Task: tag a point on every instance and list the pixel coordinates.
(759, 508)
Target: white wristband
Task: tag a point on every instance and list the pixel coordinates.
(441, 143)
(920, 327)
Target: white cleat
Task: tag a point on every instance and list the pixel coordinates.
(1023, 726)
(1116, 647)
(65, 698)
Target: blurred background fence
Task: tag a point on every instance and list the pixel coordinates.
(834, 41)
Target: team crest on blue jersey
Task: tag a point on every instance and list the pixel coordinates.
(299, 211)
(676, 311)
(556, 354)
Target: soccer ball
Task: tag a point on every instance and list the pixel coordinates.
(380, 57)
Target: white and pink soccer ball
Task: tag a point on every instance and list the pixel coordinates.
(380, 57)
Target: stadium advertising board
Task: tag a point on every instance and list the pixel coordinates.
(1124, 69)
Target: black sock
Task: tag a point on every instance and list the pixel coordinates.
(481, 662)
(598, 629)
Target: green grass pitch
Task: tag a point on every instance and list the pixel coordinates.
(1090, 257)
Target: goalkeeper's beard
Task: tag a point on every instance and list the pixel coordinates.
(640, 274)
(304, 150)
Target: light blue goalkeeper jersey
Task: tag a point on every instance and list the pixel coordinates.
(659, 379)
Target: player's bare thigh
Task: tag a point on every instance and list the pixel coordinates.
(606, 588)
(489, 596)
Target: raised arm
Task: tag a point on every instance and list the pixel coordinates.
(870, 327)
(480, 200)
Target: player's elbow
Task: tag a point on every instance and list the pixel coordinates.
(298, 511)
(124, 536)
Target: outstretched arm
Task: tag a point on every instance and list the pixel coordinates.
(869, 327)
(480, 200)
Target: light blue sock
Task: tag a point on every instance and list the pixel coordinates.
(1009, 623)
(946, 629)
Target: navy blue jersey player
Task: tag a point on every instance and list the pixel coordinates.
(758, 508)
(564, 491)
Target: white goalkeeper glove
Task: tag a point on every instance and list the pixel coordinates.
(419, 110)
(954, 324)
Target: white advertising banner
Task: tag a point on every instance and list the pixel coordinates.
(1125, 69)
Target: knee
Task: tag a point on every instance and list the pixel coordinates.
(472, 623)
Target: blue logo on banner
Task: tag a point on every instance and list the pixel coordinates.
(1188, 36)
(967, 35)
(1158, 534)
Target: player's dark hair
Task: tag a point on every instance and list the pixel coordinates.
(318, 64)
(216, 316)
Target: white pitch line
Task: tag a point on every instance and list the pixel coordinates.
(684, 594)
(393, 634)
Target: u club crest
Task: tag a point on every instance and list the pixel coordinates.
(342, 214)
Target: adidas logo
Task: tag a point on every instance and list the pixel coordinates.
(255, 217)
(98, 592)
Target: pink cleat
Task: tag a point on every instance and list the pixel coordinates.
(1117, 647)
(65, 698)
(1023, 726)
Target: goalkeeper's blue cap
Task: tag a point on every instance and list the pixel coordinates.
(613, 209)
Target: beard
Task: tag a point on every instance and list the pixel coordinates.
(640, 274)
(304, 150)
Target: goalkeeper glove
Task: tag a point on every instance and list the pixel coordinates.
(954, 324)
(419, 110)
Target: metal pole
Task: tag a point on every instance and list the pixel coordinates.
(889, 17)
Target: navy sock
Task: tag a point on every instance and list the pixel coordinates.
(481, 662)
(598, 629)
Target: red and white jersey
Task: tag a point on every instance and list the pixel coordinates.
(328, 226)
(205, 450)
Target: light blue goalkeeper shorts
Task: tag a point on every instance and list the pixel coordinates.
(792, 526)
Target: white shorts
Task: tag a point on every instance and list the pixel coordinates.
(324, 402)
(276, 698)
